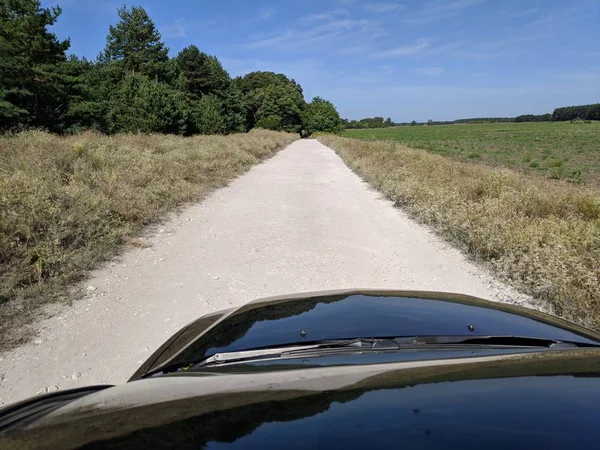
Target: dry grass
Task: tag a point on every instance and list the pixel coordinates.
(67, 204)
(541, 235)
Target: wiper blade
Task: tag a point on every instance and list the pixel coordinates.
(379, 344)
(279, 351)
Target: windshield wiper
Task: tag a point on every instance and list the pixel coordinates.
(387, 344)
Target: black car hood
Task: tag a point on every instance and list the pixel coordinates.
(314, 317)
(545, 400)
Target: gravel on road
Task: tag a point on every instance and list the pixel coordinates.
(301, 221)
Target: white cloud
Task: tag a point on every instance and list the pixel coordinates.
(383, 7)
(266, 13)
(176, 30)
(412, 49)
(430, 71)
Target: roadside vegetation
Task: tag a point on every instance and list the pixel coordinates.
(559, 150)
(69, 203)
(540, 235)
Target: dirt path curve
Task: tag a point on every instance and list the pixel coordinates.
(301, 221)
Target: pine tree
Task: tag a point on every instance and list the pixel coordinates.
(201, 74)
(135, 45)
(32, 85)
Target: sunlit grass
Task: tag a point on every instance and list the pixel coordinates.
(558, 150)
(68, 203)
(541, 235)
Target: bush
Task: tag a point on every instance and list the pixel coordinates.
(146, 106)
(321, 116)
(272, 122)
(208, 116)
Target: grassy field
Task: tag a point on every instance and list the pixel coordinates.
(67, 204)
(540, 235)
(558, 150)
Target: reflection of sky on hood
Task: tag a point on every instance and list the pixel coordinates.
(364, 316)
(534, 412)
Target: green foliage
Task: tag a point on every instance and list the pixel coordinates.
(147, 106)
(234, 109)
(32, 86)
(272, 122)
(280, 100)
(208, 116)
(135, 45)
(321, 116)
(534, 118)
(271, 94)
(132, 86)
(583, 112)
(200, 74)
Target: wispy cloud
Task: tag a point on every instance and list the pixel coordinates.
(327, 33)
(560, 18)
(430, 71)
(383, 7)
(177, 29)
(412, 49)
(432, 12)
(266, 13)
(326, 15)
(509, 14)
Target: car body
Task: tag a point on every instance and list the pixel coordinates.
(341, 369)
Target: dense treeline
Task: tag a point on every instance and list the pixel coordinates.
(134, 86)
(369, 122)
(534, 118)
(584, 112)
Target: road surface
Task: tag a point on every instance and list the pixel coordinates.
(301, 221)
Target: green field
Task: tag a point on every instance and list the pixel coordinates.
(559, 150)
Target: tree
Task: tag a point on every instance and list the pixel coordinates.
(260, 90)
(321, 115)
(585, 112)
(133, 86)
(234, 109)
(272, 122)
(200, 74)
(32, 88)
(147, 106)
(208, 116)
(135, 45)
(284, 102)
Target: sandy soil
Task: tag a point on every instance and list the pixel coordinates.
(301, 221)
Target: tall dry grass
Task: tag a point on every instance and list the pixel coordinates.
(541, 235)
(68, 203)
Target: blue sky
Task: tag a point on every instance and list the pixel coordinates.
(408, 60)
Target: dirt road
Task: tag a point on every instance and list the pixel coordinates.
(301, 221)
